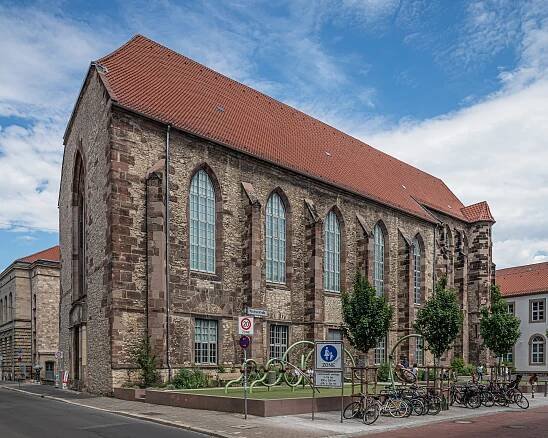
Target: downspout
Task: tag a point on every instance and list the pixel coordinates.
(166, 226)
(434, 261)
(147, 332)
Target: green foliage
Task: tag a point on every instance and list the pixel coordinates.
(421, 375)
(146, 361)
(366, 316)
(458, 365)
(190, 379)
(383, 372)
(498, 328)
(440, 320)
(221, 369)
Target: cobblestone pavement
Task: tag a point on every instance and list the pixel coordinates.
(326, 424)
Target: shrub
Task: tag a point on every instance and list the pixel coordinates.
(383, 372)
(421, 375)
(146, 361)
(468, 370)
(190, 379)
(458, 365)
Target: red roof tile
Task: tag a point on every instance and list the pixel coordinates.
(523, 280)
(150, 79)
(478, 212)
(52, 254)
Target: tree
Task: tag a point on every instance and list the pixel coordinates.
(498, 328)
(440, 320)
(366, 316)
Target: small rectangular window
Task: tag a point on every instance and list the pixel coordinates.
(279, 336)
(419, 351)
(334, 335)
(512, 308)
(205, 342)
(538, 310)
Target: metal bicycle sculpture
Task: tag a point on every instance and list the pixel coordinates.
(403, 374)
(284, 371)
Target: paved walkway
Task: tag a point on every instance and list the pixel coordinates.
(222, 424)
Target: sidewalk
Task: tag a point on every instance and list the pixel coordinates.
(222, 424)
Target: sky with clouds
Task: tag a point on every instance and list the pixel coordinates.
(456, 88)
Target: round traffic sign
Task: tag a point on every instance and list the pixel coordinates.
(245, 323)
(245, 341)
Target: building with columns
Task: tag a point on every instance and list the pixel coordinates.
(187, 197)
(29, 315)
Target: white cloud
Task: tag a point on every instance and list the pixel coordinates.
(30, 164)
(44, 56)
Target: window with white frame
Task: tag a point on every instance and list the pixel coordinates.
(538, 311)
(202, 223)
(416, 271)
(508, 358)
(511, 308)
(537, 347)
(279, 336)
(332, 254)
(334, 335)
(378, 260)
(205, 341)
(380, 352)
(275, 239)
(419, 351)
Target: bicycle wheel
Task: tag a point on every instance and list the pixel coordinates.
(434, 405)
(487, 399)
(474, 401)
(352, 410)
(398, 408)
(418, 407)
(521, 400)
(371, 412)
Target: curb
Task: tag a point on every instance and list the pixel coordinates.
(127, 414)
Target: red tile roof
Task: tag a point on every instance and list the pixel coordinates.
(523, 280)
(52, 254)
(478, 212)
(148, 78)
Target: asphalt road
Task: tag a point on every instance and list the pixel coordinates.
(530, 423)
(26, 416)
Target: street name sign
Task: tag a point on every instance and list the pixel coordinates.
(245, 325)
(258, 313)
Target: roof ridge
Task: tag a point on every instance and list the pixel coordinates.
(522, 266)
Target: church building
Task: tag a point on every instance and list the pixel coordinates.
(187, 197)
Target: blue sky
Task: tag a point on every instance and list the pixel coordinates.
(456, 88)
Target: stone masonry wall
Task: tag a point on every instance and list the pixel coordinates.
(121, 150)
(222, 295)
(89, 135)
(45, 286)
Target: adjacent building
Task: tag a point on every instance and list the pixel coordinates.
(187, 197)
(525, 289)
(29, 315)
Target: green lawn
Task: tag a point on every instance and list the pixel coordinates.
(277, 392)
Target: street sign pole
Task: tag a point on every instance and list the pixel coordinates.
(244, 343)
(245, 383)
